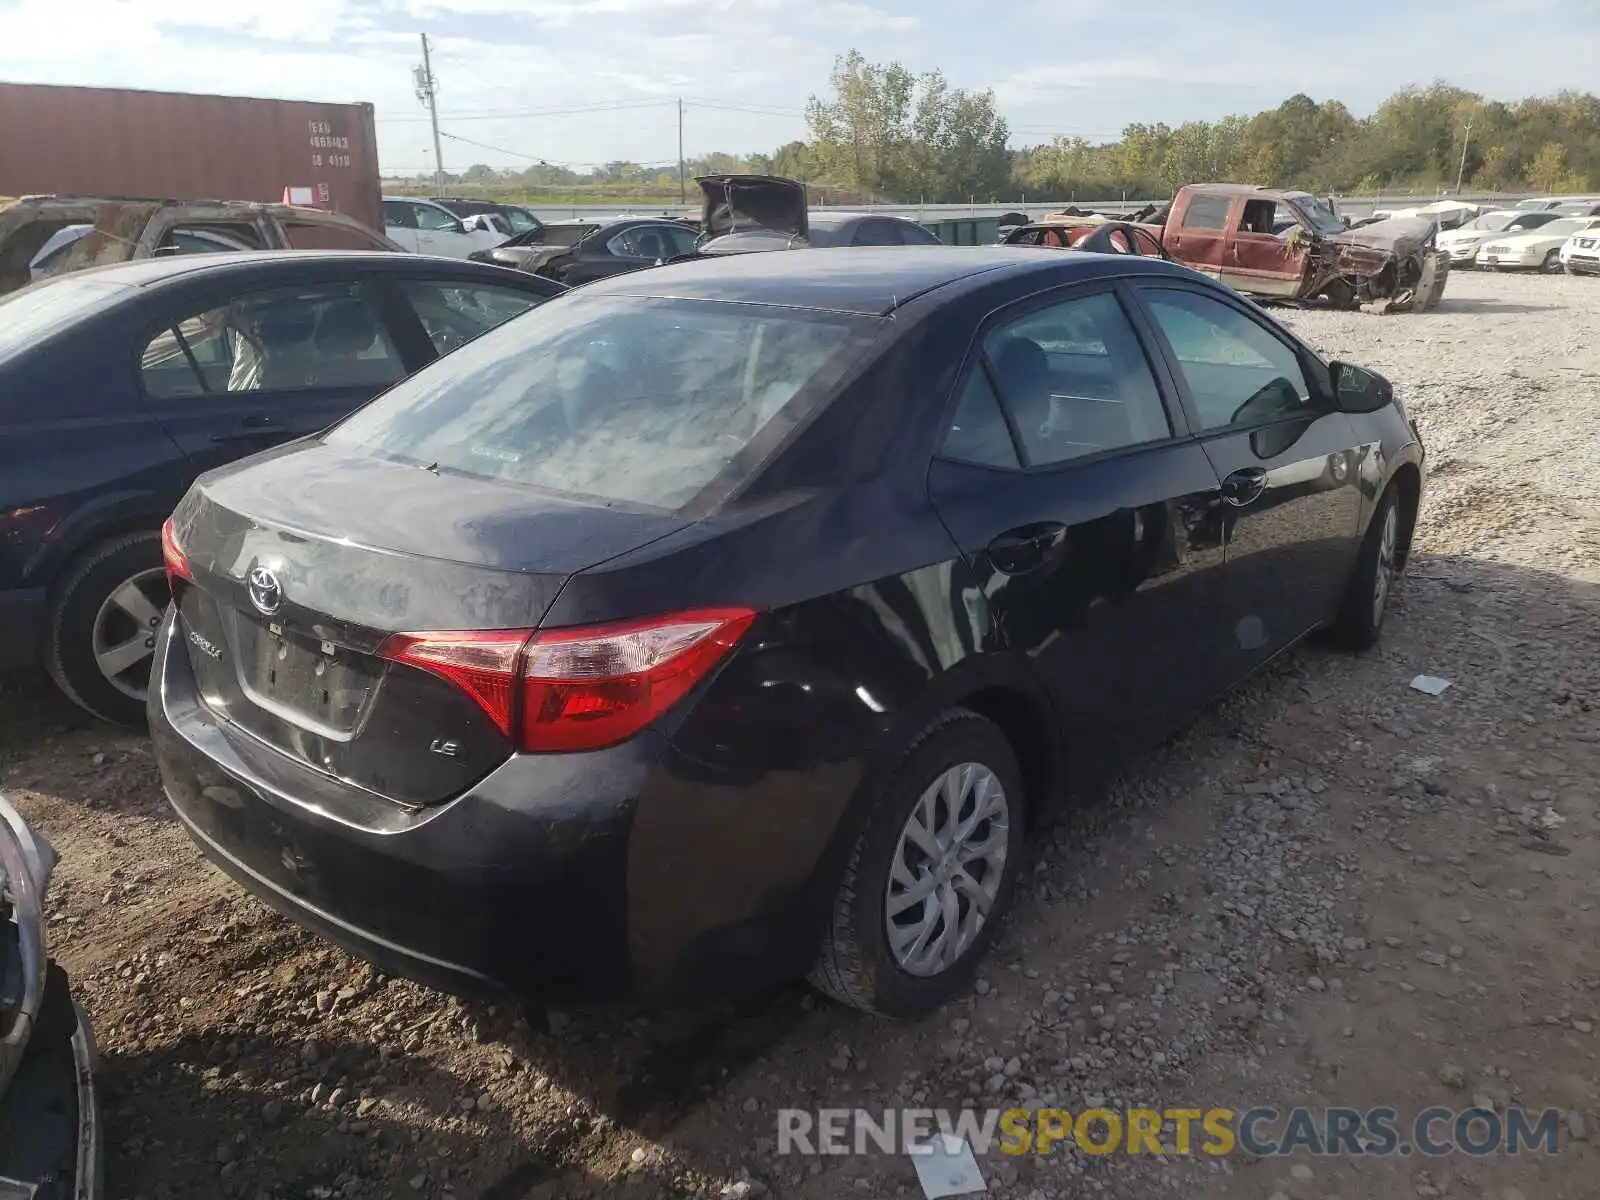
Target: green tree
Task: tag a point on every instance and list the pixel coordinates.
(890, 133)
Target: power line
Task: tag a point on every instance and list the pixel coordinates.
(485, 114)
(551, 162)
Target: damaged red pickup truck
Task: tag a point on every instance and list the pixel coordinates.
(1279, 245)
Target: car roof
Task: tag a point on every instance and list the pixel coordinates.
(871, 280)
(145, 272)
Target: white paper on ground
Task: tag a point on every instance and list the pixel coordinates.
(1431, 684)
(946, 1167)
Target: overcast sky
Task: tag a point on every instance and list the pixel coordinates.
(746, 67)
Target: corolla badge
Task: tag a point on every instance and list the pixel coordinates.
(266, 593)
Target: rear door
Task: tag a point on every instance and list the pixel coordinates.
(1289, 461)
(230, 372)
(1257, 260)
(1197, 230)
(1069, 479)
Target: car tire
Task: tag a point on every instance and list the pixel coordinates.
(88, 624)
(1359, 622)
(858, 963)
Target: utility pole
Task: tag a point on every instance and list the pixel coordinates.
(1461, 172)
(427, 93)
(682, 194)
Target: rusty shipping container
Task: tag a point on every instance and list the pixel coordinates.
(86, 141)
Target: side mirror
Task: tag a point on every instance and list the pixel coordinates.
(1359, 390)
(475, 223)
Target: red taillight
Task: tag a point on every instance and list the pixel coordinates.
(177, 562)
(577, 689)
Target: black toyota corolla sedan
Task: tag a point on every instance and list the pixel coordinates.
(738, 619)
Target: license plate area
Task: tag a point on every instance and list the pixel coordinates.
(312, 682)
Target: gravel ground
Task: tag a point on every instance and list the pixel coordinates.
(1332, 890)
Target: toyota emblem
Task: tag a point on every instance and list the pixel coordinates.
(266, 593)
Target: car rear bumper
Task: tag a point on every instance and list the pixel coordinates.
(22, 626)
(566, 878)
(1582, 264)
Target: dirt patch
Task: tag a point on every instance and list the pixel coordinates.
(1333, 890)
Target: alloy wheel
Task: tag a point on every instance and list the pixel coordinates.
(125, 631)
(1388, 540)
(947, 869)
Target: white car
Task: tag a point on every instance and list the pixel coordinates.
(428, 228)
(1462, 244)
(1537, 249)
(1580, 253)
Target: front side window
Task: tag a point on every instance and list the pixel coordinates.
(1207, 212)
(1075, 380)
(520, 222)
(1238, 372)
(429, 217)
(454, 313)
(636, 401)
(282, 340)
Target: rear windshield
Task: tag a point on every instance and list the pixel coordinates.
(46, 307)
(642, 402)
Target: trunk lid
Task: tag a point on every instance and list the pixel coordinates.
(307, 559)
(737, 203)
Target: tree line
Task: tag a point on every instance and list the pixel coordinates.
(886, 133)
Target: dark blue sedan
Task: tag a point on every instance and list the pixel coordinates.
(738, 618)
(119, 385)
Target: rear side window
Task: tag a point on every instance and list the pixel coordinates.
(978, 432)
(282, 340)
(878, 233)
(1207, 212)
(454, 313)
(644, 402)
(1075, 380)
(399, 214)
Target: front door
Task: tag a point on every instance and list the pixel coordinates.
(1289, 461)
(238, 373)
(1067, 480)
(1256, 259)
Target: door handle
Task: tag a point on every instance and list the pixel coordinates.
(1244, 486)
(1017, 551)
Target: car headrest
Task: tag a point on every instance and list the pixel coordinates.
(346, 327)
(1021, 363)
(279, 326)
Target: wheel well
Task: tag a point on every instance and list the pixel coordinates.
(1407, 483)
(110, 531)
(1027, 727)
